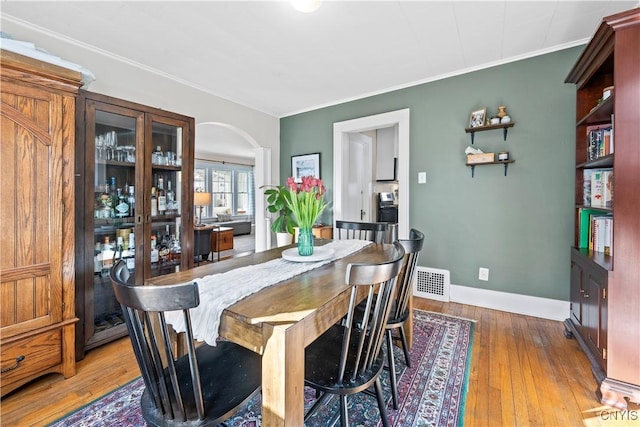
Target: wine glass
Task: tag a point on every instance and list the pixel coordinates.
(100, 145)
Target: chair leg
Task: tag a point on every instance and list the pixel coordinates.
(392, 369)
(344, 415)
(319, 402)
(405, 347)
(381, 403)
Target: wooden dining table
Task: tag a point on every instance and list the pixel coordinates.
(279, 321)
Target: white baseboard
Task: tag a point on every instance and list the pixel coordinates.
(544, 308)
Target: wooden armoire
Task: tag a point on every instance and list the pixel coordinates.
(37, 319)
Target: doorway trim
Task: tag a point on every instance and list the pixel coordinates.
(341, 130)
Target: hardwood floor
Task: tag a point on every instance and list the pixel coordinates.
(523, 372)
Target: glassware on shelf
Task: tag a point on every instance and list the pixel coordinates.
(158, 157)
(110, 142)
(99, 140)
(130, 153)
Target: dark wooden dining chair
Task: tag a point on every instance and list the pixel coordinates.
(205, 386)
(400, 308)
(347, 358)
(374, 231)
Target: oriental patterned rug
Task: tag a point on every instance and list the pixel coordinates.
(431, 393)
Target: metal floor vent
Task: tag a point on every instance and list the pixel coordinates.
(432, 283)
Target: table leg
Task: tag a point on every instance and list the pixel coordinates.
(283, 376)
(408, 330)
(217, 243)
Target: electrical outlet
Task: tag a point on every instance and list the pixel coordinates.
(422, 177)
(483, 274)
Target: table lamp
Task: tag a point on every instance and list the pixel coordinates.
(201, 199)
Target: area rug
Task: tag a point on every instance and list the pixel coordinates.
(431, 393)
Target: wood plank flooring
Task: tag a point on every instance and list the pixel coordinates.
(524, 372)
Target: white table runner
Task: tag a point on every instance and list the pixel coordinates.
(219, 291)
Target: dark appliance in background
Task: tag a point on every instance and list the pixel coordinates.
(387, 208)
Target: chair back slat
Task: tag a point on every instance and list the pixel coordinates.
(142, 354)
(155, 350)
(412, 247)
(374, 231)
(193, 364)
(362, 341)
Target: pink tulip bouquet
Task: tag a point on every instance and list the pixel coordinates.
(306, 200)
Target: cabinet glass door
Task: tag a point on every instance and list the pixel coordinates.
(117, 222)
(166, 196)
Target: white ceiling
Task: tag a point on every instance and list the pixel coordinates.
(269, 57)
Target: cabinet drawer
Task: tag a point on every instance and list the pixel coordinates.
(40, 352)
(226, 240)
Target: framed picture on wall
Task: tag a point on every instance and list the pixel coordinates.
(305, 165)
(477, 118)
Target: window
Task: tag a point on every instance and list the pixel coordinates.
(230, 185)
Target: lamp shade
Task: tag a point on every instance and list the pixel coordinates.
(201, 198)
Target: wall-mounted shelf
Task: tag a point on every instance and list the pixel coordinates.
(503, 126)
(505, 163)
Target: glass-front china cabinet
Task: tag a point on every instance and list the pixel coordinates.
(134, 168)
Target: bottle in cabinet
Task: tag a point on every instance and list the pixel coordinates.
(162, 197)
(122, 207)
(157, 157)
(107, 256)
(104, 205)
(172, 204)
(131, 199)
(131, 259)
(154, 202)
(164, 246)
(155, 253)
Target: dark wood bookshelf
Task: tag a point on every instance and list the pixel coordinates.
(604, 294)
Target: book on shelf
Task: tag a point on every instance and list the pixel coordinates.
(586, 186)
(608, 236)
(600, 188)
(595, 231)
(585, 216)
(607, 188)
(611, 134)
(599, 141)
(601, 234)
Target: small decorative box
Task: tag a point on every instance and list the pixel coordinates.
(480, 158)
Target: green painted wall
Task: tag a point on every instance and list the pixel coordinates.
(519, 226)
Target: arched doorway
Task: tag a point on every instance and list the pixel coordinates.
(222, 141)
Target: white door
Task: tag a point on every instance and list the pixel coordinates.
(359, 183)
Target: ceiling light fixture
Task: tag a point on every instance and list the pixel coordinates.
(306, 6)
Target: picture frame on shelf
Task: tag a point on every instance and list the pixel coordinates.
(477, 118)
(305, 165)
